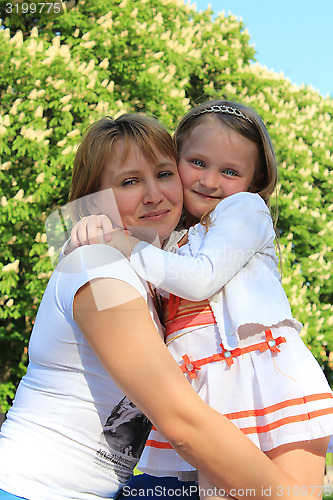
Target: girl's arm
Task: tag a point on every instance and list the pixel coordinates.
(241, 227)
(125, 340)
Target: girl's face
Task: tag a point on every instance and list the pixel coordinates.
(215, 162)
(145, 195)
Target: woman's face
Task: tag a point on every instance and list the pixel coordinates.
(146, 194)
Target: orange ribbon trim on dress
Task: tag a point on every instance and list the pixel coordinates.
(173, 305)
(191, 367)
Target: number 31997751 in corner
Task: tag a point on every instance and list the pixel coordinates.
(33, 7)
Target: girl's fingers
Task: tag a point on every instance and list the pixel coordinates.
(81, 232)
(98, 229)
(107, 228)
(87, 229)
(93, 232)
(99, 236)
(74, 241)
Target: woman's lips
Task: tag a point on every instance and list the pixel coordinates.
(158, 215)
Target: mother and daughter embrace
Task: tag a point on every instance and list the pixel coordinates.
(100, 363)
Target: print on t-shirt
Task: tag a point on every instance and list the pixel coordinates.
(123, 439)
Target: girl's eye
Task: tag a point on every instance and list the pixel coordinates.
(229, 172)
(198, 163)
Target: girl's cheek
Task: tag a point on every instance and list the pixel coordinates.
(183, 173)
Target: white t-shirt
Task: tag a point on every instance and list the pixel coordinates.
(71, 433)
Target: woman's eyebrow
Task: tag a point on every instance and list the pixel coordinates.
(134, 171)
(166, 164)
(129, 172)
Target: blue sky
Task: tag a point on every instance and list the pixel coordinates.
(292, 36)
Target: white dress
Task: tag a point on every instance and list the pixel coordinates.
(241, 349)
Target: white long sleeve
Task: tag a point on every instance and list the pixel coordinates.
(242, 227)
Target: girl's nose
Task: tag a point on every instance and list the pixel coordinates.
(153, 194)
(209, 179)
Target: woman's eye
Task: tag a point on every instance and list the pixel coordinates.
(129, 182)
(164, 174)
(198, 163)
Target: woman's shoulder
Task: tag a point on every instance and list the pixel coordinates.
(89, 257)
(91, 262)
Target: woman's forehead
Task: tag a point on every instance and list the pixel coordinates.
(126, 147)
(128, 155)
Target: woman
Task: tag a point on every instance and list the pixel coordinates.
(74, 431)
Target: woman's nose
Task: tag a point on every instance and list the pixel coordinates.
(153, 193)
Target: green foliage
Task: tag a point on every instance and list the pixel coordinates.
(159, 57)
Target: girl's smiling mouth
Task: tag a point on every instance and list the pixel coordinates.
(203, 195)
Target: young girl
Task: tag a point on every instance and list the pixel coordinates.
(227, 319)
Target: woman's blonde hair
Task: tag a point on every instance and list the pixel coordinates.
(247, 123)
(97, 147)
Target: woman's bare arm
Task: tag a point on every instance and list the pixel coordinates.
(124, 338)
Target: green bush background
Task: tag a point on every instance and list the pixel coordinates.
(105, 57)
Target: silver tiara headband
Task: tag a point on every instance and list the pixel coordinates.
(222, 108)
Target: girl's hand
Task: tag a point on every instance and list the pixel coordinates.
(95, 229)
(89, 231)
(123, 241)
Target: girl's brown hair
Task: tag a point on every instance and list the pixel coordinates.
(97, 147)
